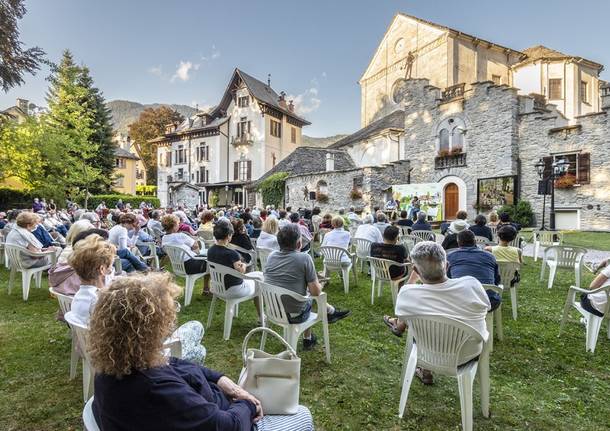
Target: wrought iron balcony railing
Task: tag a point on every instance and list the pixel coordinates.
(450, 161)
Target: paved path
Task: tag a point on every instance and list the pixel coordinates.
(591, 256)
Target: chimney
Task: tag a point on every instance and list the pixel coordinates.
(282, 100)
(330, 162)
(605, 93)
(291, 106)
(22, 104)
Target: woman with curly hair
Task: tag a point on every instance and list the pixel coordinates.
(137, 387)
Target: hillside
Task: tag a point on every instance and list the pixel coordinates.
(125, 112)
(310, 141)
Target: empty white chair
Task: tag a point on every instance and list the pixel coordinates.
(251, 266)
(424, 235)
(88, 418)
(176, 257)
(496, 315)
(380, 273)
(363, 250)
(65, 304)
(263, 253)
(438, 346)
(333, 261)
(13, 256)
(507, 273)
(277, 314)
(217, 288)
(592, 322)
(562, 257)
(545, 238)
(82, 332)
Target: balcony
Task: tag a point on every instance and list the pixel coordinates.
(453, 92)
(450, 161)
(242, 140)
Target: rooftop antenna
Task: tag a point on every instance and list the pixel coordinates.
(269, 80)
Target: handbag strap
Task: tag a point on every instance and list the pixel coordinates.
(268, 331)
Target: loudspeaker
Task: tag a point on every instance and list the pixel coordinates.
(312, 196)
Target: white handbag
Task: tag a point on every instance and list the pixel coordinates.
(273, 379)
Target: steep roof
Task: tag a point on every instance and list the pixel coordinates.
(395, 120)
(305, 160)
(541, 52)
(260, 91)
(123, 153)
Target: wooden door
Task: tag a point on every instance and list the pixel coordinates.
(451, 201)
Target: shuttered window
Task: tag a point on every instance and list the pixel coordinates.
(555, 92)
(580, 166)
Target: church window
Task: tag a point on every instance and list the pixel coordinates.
(443, 140)
(584, 93)
(555, 92)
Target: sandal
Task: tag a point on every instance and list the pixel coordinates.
(390, 323)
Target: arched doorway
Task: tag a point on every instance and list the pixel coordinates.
(451, 200)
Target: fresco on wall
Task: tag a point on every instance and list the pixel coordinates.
(494, 192)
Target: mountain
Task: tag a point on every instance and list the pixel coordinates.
(310, 141)
(125, 112)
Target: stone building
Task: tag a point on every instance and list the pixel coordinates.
(220, 152)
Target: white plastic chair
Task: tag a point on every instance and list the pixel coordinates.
(251, 266)
(332, 262)
(439, 341)
(363, 250)
(496, 315)
(481, 240)
(562, 257)
(65, 304)
(263, 253)
(545, 238)
(218, 289)
(14, 255)
(176, 258)
(405, 230)
(3, 260)
(277, 314)
(82, 332)
(423, 235)
(88, 418)
(507, 273)
(380, 273)
(207, 238)
(593, 323)
(494, 232)
(152, 253)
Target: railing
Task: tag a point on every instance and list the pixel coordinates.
(606, 91)
(453, 92)
(450, 161)
(243, 139)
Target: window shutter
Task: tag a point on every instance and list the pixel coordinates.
(249, 126)
(236, 170)
(548, 168)
(584, 168)
(249, 170)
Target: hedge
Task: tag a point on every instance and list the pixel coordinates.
(13, 198)
(111, 200)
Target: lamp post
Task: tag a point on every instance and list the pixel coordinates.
(558, 168)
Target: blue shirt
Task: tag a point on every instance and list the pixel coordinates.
(475, 262)
(43, 236)
(421, 226)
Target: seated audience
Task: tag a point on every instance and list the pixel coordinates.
(3, 220)
(504, 252)
(268, 236)
(505, 220)
(493, 219)
(119, 237)
(421, 223)
(404, 220)
(21, 235)
(241, 239)
(344, 216)
(460, 298)
(326, 222)
(185, 223)
(257, 226)
(306, 236)
(76, 228)
(192, 265)
(368, 231)
(206, 227)
(460, 215)
(451, 239)
(338, 237)
(316, 219)
(382, 222)
(295, 271)
(390, 249)
(154, 223)
(283, 218)
(597, 303)
(137, 387)
(469, 259)
(480, 229)
(353, 217)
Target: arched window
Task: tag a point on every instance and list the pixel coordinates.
(444, 143)
(322, 187)
(457, 139)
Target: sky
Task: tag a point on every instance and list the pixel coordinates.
(315, 50)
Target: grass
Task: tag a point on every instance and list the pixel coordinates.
(539, 381)
(590, 240)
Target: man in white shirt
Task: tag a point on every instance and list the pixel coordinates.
(368, 231)
(463, 298)
(353, 217)
(338, 237)
(119, 237)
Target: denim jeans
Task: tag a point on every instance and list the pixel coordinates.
(129, 261)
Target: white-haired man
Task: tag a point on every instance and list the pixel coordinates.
(367, 230)
(463, 298)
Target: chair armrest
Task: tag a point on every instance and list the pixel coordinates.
(321, 302)
(581, 290)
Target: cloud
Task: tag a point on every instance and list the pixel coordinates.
(156, 70)
(324, 75)
(183, 72)
(215, 52)
(306, 102)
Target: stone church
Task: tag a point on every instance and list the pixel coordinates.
(475, 116)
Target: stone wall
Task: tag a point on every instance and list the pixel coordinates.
(375, 181)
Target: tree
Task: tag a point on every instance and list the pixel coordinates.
(20, 156)
(149, 125)
(14, 60)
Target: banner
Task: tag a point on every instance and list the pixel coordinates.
(429, 194)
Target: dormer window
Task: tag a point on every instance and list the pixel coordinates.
(243, 101)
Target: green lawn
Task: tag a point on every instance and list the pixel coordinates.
(591, 240)
(539, 381)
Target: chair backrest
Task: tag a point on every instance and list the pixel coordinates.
(565, 256)
(363, 247)
(352, 229)
(263, 253)
(65, 301)
(507, 272)
(494, 232)
(274, 304)
(548, 237)
(88, 418)
(217, 277)
(405, 230)
(516, 242)
(332, 254)
(14, 256)
(82, 333)
(381, 268)
(206, 235)
(322, 232)
(440, 341)
(176, 258)
(493, 287)
(423, 235)
(482, 240)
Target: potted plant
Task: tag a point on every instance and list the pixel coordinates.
(443, 153)
(455, 151)
(322, 198)
(566, 181)
(355, 194)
